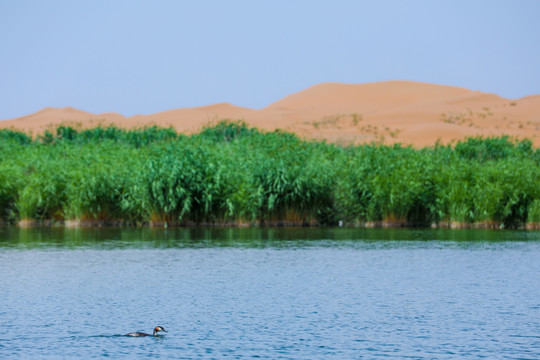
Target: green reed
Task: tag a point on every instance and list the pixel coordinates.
(232, 174)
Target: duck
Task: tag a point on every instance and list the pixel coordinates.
(155, 333)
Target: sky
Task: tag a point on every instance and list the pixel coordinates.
(141, 57)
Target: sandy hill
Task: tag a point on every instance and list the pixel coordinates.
(394, 111)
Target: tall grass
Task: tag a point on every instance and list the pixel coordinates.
(230, 173)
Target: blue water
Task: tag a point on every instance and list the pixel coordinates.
(269, 293)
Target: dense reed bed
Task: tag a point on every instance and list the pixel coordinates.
(232, 174)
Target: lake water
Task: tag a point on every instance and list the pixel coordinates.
(269, 293)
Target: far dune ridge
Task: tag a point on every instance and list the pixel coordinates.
(406, 112)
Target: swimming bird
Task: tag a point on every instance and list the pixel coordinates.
(156, 330)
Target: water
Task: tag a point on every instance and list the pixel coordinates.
(269, 293)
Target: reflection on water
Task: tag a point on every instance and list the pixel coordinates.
(107, 238)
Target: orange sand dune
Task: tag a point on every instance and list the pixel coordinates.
(411, 113)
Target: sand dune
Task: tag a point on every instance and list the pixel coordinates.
(412, 113)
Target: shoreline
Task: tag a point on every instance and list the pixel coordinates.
(23, 224)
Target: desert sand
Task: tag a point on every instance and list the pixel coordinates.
(410, 113)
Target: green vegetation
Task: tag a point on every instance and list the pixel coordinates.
(232, 174)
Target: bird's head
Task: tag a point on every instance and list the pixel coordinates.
(159, 328)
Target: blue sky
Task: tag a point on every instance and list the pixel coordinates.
(141, 57)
